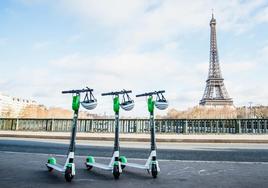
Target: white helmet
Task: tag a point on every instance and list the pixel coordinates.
(161, 104)
(90, 104)
(128, 105)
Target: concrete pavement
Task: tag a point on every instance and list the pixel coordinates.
(28, 170)
(189, 165)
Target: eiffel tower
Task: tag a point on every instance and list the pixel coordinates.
(215, 93)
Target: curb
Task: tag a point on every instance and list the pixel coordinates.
(171, 140)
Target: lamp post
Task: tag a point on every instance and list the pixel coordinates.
(250, 109)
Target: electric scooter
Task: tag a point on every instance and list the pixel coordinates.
(69, 167)
(161, 103)
(115, 163)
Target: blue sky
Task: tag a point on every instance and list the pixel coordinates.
(47, 46)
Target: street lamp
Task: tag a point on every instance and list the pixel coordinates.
(250, 106)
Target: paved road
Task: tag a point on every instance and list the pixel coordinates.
(22, 165)
(200, 153)
(28, 170)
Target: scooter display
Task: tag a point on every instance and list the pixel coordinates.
(115, 163)
(161, 103)
(89, 102)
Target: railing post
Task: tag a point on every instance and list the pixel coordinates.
(51, 125)
(265, 126)
(263, 130)
(217, 126)
(246, 126)
(91, 126)
(211, 123)
(17, 124)
(258, 126)
(185, 127)
(238, 127)
(135, 126)
(46, 124)
(176, 126)
(11, 126)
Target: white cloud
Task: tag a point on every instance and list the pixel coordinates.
(135, 24)
(41, 45)
(74, 38)
(245, 79)
(262, 15)
(138, 71)
(105, 12)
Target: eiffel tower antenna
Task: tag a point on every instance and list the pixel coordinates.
(212, 12)
(215, 93)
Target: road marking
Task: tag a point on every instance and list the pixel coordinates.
(139, 159)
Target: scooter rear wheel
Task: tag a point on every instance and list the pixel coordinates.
(123, 161)
(68, 175)
(116, 172)
(154, 170)
(49, 169)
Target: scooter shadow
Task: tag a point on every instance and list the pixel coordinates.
(99, 174)
(53, 177)
(141, 175)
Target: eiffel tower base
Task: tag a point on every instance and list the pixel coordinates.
(216, 102)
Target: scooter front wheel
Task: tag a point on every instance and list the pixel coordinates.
(68, 175)
(154, 170)
(116, 172)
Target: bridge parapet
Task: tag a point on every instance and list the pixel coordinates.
(175, 126)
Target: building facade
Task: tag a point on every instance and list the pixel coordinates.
(12, 106)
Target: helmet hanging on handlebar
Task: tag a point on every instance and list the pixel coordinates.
(89, 102)
(127, 103)
(161, 103)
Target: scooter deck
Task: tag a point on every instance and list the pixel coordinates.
(99, 165)
(57, 167)
(134, 165)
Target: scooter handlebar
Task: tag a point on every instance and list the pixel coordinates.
(77, 91)
(116, 92)
(150, 93)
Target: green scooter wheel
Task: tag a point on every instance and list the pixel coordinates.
(154, 171)
(89, 159)
(116, 172)
(53, 161)
(68, 174)
(123, 161)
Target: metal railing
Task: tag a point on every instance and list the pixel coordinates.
(185, 126)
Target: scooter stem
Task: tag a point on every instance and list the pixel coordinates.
(116, 140)
(75, 106)
(152, 127)
(74, 129)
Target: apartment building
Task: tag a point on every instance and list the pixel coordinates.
(11, 106)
